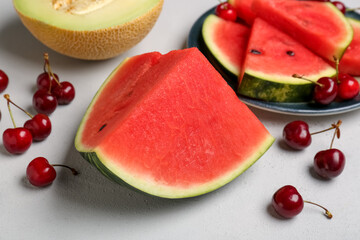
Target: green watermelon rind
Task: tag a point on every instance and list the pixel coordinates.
(97, 159)
(207, 32)
(275, 88)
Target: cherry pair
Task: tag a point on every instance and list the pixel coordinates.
(327, 89)
(41, 173)
(18, 140)
(51, 92)
(327, 163)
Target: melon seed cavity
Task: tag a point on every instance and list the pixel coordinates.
(79, 7)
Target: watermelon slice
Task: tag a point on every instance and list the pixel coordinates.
(226, 41)
(170, 126)
(243, 9)
(320, 26)
(350, 62)
(272, 58)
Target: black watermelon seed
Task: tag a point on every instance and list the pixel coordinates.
(290, 53)
(254, 51)
(102, 127)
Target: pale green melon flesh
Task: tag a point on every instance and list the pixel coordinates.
(110, 14)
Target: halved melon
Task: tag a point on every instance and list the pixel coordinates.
(170, 126)
(350, 62)
(226, 41)
(320, 26)
(272, 58)
(88, 29)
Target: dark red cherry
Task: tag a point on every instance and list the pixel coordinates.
(39, 126)
(43, 81)
(4, 81)
(296, 134)
(339, 6)
(325, 90)
(40, 173)
(64, 92)
(17, 140)
(226, 11)
(44, 102)
(287, 201)
(329, 163)
(348, 86)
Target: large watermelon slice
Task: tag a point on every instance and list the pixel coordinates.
(170, 126)
(226, 41)
(244, 10)
(350, 62)
(272, 58)
(318, 25)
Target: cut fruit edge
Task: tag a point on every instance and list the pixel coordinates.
(114, 171)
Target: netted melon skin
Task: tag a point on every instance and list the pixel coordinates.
(95, 44)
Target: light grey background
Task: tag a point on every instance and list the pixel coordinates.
(92, 207)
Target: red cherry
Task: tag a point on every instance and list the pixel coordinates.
(17, 140)
(39, 126)
(296, 134)
(325, 90)
(43, 81)
(348, 87)
(4, 81)
(329, 163)
(340, 6)
(287, 201)
(226, 11)
(40, 173)
(44, 102)
(64, 92)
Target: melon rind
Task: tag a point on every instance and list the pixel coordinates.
(208, 33)
(97, 44)
(118, 175)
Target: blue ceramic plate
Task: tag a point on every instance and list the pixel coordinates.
(304, 108)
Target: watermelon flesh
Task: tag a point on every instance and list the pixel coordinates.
(226, 41)
(350, 62)
(272, 58)
(243, 10)
(170, 126)
(319, 26)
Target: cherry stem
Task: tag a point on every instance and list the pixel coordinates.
(327, 212)
(47, 69)
(73, 170)
(11, 115)
(337, 125)
(7, 97)
(306, 79)
(336, 133)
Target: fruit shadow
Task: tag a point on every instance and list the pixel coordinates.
(17, 40)
(92, 190)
